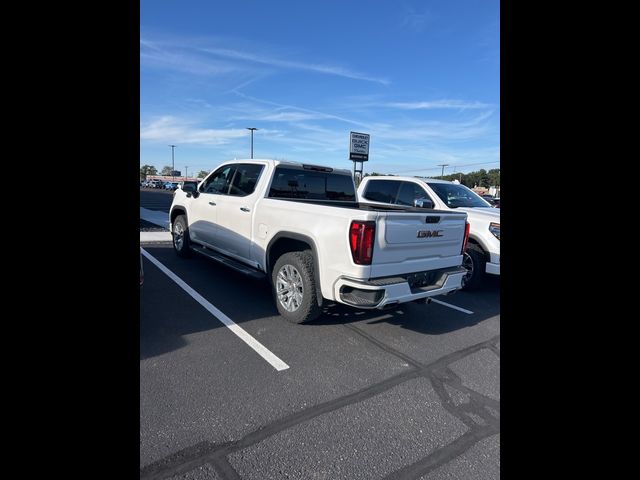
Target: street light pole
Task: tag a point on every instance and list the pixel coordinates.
(252, 129)
(172, 162)
(186, 170)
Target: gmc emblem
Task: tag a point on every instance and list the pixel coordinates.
(429, 233)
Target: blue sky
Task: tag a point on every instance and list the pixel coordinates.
(421, 77)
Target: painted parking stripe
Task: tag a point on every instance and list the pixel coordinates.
(452, 306)
(239, 331)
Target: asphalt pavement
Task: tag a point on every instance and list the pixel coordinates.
(412, 392)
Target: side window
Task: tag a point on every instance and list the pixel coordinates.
(245, 179)
(382, 191)
(410, 191)
(218, 182)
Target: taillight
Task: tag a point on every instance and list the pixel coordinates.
(466, 237)
(361, 238)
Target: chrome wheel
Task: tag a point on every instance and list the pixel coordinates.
(467, 263)
(289, 288)
(178, 235)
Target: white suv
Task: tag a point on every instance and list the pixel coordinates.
(483, 250)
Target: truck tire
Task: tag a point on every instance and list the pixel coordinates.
(180, 236)
(475, 261)
(294, 287)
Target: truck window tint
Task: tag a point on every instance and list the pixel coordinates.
(382, 191)
(245, 179)
(410, 191)
(311, 185)
(218, 182)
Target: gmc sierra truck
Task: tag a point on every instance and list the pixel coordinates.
(483, 251)
(300, 227)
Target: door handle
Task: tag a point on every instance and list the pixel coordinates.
(244, 209)
(212, 203)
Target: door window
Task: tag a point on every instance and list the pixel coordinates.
(219, 181)
(245, 179)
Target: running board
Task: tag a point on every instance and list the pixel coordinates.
(229, 262)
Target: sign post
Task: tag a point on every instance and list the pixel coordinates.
(358, 152)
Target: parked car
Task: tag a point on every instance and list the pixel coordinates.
(171, 186)
(495, 202)
(483, 251)
(300, 227)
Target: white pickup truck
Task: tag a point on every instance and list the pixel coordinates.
(301, 227)
(483, 252)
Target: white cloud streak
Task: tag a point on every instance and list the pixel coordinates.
(289, 64)
(437, 105)
(185, 56)
(171, 129)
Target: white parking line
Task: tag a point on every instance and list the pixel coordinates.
(452, 306)
(239, 331)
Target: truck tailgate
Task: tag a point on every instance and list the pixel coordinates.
(409, 242)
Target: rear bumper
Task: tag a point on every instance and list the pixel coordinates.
(388, 291)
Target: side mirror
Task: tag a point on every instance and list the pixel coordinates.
(423, 203)
(189, 188)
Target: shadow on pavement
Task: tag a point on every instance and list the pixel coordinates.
(167, 313)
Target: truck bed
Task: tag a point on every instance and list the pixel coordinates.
(368, 207)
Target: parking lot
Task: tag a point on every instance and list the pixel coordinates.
(229, 390)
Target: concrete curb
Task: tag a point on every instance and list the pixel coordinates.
(155, 237)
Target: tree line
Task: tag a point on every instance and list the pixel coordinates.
(479, 178)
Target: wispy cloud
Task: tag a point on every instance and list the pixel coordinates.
(291, 117)
(421, 131)
(171, 129)
(437, 105)
(153, 55)
(415, 21)
(300, 109)
(290, 64)
(191, 56)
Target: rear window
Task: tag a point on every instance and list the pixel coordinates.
(311, 185)
(384, 191)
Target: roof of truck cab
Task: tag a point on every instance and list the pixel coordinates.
(398, 177)
(343, 171)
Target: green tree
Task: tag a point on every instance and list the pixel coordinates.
(166, 170)
(147, 170)
(479, 178)
(494, 177)
(202, 174)
(483, 178)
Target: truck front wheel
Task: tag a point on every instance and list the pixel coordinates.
(294, 287)
(475, 262)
